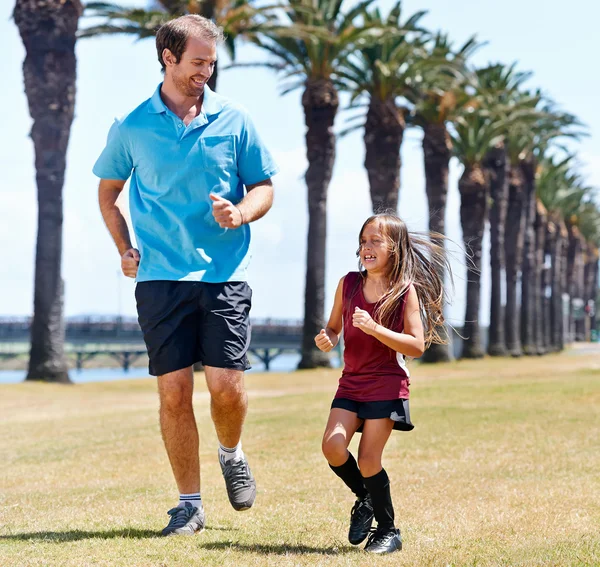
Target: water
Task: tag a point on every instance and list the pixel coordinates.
(282, 363)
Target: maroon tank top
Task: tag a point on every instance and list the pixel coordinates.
(372, 371)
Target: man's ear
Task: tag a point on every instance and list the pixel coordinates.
(168, 57)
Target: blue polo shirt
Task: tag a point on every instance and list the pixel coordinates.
(173, 169)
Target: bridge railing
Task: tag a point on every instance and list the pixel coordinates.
(103, 328)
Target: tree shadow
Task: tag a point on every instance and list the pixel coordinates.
(282, 549)
(78, 535)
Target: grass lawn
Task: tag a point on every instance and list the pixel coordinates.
(502, 469)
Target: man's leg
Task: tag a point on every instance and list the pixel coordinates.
(229, 404)
(178, 428)
(180, 435)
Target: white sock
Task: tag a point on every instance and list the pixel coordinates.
(226, 454)
(194, 499)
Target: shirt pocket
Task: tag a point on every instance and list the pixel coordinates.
(217, 152)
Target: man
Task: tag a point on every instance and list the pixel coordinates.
(189, 153)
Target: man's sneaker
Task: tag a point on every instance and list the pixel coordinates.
(185, 521)
(384, 541)
(361, 519)
(241, 486)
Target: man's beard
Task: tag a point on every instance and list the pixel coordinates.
(185, 86)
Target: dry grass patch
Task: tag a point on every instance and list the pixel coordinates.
(501, 470)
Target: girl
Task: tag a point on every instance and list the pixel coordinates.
(380, 309)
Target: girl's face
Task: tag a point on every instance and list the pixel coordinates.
(374, 252)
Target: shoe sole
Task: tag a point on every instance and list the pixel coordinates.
(241, 507)
(399, 548)
(184, 534)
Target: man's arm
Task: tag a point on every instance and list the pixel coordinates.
(108, 193)
(255, 205)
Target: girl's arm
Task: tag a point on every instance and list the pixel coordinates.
(410, 342)
(329, 337)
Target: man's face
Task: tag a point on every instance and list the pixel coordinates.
(194, 68)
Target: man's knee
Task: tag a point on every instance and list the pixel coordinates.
(227, 387)
(228, 394)
(175, 395)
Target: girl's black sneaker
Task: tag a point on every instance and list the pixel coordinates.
(361, 519)
(384, 541)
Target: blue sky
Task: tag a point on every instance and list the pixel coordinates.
(556, 42)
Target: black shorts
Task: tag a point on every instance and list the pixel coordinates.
(189, 322)
(396, 410)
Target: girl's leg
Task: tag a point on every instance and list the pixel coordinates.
(375, 434)
(341, 427)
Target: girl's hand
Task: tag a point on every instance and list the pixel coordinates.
(363, 321)
(323, 341)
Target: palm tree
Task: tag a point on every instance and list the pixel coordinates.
(527, 141)
(438, 96)
(48, 30)
(554, 191)
(236, 17)
(550, 126)
(540, 321)
(589, 224)
(565, 194)
(478, 128)
(500, 84)
(383, 71)
(319, 36)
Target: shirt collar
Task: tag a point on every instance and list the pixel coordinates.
(212, 103)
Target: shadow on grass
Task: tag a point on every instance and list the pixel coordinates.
(77, 535)
(283, 549)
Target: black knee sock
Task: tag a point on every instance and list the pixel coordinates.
(350, 474)
(379, 489)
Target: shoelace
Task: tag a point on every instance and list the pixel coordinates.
(235, 473)
(378, 536)
(180, 516)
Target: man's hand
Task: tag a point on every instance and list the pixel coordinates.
(323, 341)
(362, 320)
(130, 262)
(226, 213)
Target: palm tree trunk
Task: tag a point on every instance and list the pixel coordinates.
(551, 280)
(559, 274)
(437, 151)
(496, 165)
(513, 247)
(474, 191)
(547, 284)
(574, 280)
(48, 30)
(592, 285)
(541, 226)
(580, 274)
(320, 102)
(384, 130)
(528, 273)
(212, 82)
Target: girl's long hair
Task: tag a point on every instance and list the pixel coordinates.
(415, 259)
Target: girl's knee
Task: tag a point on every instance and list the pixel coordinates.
(369, 465)
(335, 451)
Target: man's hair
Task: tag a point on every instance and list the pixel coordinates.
(174, 34)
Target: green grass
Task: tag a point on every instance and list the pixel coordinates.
(503, 469)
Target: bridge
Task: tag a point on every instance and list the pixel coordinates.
(121, 338)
